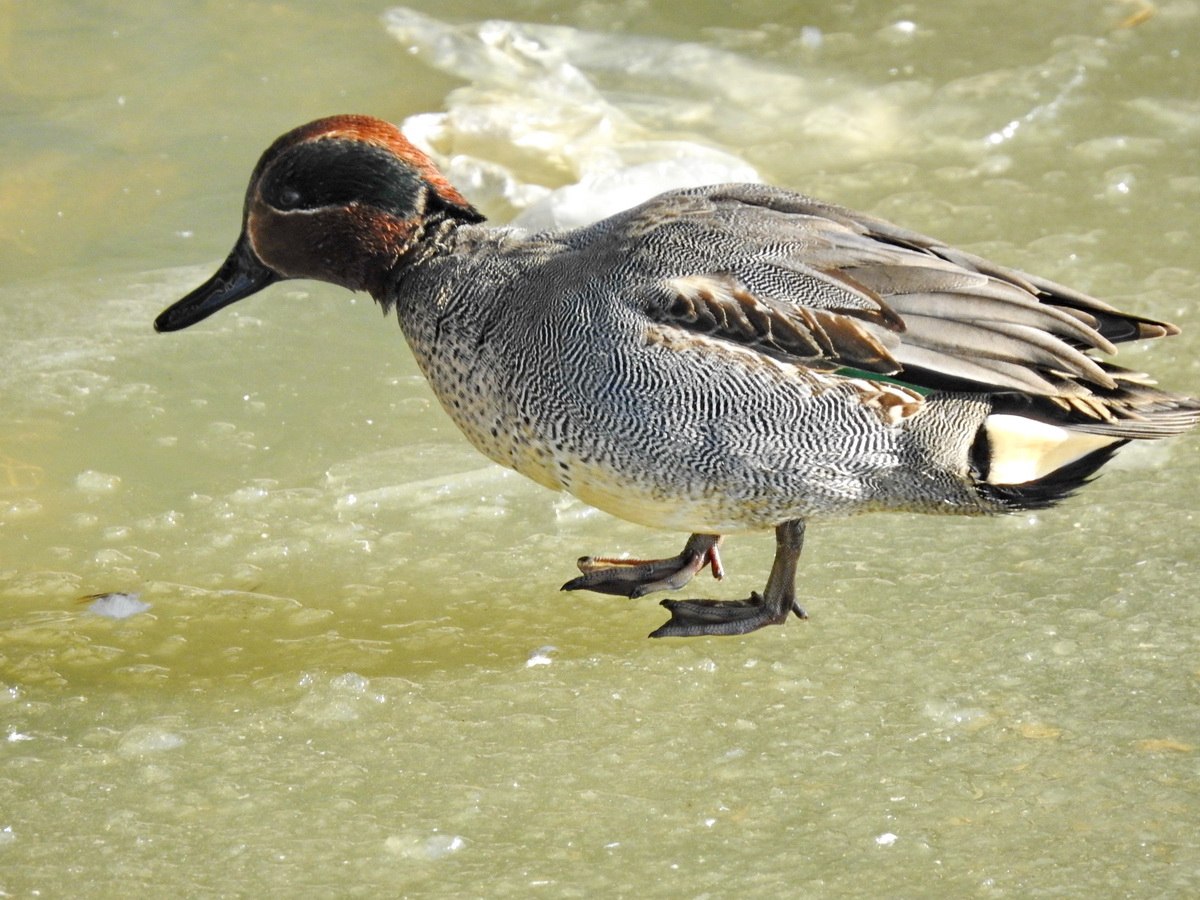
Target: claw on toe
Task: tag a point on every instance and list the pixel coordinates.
(714, 562)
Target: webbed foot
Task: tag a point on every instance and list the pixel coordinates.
(638, 577)
(691, 618)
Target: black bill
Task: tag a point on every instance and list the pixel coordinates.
(241, 275)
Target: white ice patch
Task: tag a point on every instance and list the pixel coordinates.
(146, 739)
(414, 846)
(117, 605)
(91, 482)
(533, 134)
(559, 126)
(337, 699)
(540, 657)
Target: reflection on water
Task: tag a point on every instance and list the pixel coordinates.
(355, 673)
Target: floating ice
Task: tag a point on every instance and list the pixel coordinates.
(143, 739)
(92, 482)
(340, 698)
(440, 845)
(117, 605)
(412, 846)
(886, 839)
(350, 683)
(559, 126)
(540, 657)
(533, 118)
(951, 715)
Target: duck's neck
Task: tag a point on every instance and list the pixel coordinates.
(433, 238)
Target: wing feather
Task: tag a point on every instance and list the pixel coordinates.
(824, 287)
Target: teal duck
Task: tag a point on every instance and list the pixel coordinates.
(721, 359)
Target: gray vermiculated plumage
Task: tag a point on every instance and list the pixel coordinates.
(675, 364)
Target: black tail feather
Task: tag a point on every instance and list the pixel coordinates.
(1044, 492)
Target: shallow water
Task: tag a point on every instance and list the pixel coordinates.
(356, 676)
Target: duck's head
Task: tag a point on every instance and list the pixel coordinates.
(343, 199)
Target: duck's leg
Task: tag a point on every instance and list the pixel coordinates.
(690, 618)
(638, 577)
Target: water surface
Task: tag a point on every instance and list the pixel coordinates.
(356, 675)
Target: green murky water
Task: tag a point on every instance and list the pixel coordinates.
(356, 676)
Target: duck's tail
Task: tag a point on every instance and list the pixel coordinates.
(1032, 452)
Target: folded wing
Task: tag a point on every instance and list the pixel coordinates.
(834, 290)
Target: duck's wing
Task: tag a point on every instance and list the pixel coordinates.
(832, 289)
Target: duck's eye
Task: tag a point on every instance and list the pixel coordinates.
(281, 195)
(282, 190)
(289, 198)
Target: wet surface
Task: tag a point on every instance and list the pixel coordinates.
(355, 673)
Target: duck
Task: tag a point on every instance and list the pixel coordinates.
(716, 360)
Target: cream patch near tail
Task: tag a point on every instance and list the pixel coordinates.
(1024, 450)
